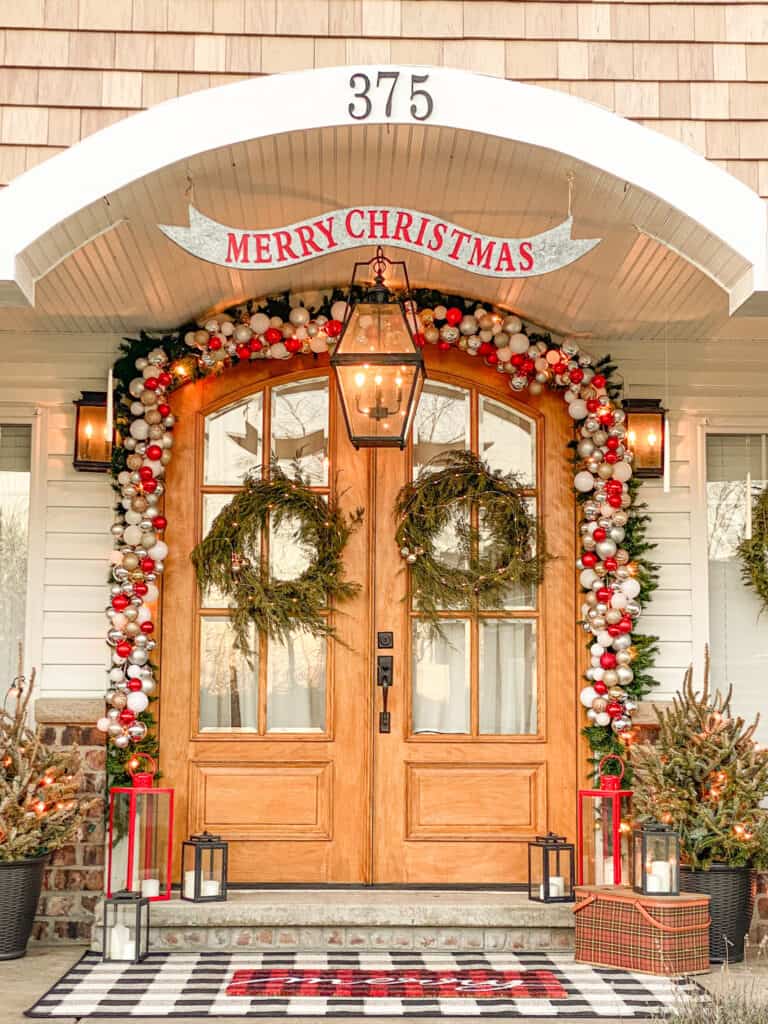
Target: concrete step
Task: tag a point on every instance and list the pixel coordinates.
(316, 919)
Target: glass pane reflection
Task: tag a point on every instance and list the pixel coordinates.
(518, 596)
(300, 428)
(229, 686)
(233, 442)
(441, 423)
(441, 677)
(507, 440)
(508, 676)
(296, 683)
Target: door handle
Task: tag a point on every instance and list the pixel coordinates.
(385, 679)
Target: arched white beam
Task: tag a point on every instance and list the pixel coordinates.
(181, 128)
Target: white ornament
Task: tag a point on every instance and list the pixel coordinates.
(299, 316)
(602, 718)
(140, 430)
(631, 588)
(339, 310)
(259, 323)
(137, 702)
(519, 343)
(622, 471)
(158, 551)
(577, 410)
(584, 482)
(587, 696)
(132, 535)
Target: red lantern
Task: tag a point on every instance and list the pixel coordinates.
(140, 835)
(603, 853)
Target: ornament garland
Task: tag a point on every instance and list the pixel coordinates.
(439, 498)
(227, 558)
(753, 551)
(615, 573)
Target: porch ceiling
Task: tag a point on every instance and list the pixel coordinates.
(108, 268)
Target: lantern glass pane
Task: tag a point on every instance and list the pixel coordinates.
(600, 842)
(536, 871)
(660, 864)
(233, 442)
(559, 873)
(152, 825)
(125, 934)
(508, 677)
(441, 424)
(299, 428)
(120, 811)
(93, 441)
(376, 327)
(441, 677)
(645, 434)
(377, 399)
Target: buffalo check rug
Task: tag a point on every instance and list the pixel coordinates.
(357, 984)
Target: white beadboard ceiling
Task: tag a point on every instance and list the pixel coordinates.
(115, 272)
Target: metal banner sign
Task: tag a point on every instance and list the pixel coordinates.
(489, 255)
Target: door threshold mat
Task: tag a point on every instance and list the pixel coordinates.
(364, 984)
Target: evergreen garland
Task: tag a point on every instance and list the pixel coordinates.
(753, 551)
(442, 496)
(228, 559)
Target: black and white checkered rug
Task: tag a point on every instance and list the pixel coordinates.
(205, 985)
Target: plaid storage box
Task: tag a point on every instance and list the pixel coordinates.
(617, 927)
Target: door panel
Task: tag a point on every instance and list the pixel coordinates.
(482, 752)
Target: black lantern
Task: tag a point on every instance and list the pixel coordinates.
(125, 931)
(655, 860)
(204, 869)
(551, 869)
(379, 367)
(646, 435)
(93, 440)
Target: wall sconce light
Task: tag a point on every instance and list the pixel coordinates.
(93, 441)
(646, 435)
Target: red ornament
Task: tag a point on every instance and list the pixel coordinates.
(145, 473)
(614, 631)
(598, 381)
(273, 335)
(164, 409)
(159, 522)
(614, 709)
(625, 624)
(124, 648)
(517, 359)
(255, 345)
(599, 687)
(589, 559)
(559, 368)
(140, 588)
(334, 328)
(612, 443)
(165, 379)
(214, 344)
(608, 660)
(593, 404)
(527, 366)
(611, 458)
(243, 352)
(454, 316)
(604, 595)
(154, 452)
(492, 357)
(614, 500)
(147, 627)
(599, 533)
(120, 602)
(443, 346)
(151, 383)
(150, 486)
(133, 684)
(577, 375)
(486, 348)
(606, 418)
(126, 717)
(611, 565)
(419, 340)
(293, 345)
(147, 564)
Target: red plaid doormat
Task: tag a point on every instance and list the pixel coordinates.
(401, 983)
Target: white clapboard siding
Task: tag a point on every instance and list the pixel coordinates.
(71, 572)
(63, 651)
(75, 624)
(93, 492)
(79, 520)
(79, 545)
(86, 599)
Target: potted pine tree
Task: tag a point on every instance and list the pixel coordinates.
(40, 811)
(707, 776)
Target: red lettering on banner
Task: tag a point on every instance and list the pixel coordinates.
(307, 238)
(327, 231)
(402, 225)
(481, 256)
(461, 237)
(504, 262)
(283, 240)
(263, 254)
(422, 230)
(438, 236)
(381, 221)
(237, 252)
(526, 256)
(348, 224)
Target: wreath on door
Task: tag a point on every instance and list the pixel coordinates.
(496, 539)
(753, 551)
(228, 559)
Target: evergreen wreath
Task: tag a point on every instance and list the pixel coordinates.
(438, 499)
(277, 607)
(753, 551)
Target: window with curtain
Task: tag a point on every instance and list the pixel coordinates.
(737, 470)
(15, 476)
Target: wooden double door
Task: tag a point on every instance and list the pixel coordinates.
(283, 755)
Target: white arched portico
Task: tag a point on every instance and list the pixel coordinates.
(683, 239)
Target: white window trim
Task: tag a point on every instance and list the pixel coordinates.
(705, 425)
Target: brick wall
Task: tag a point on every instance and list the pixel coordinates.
(75, 878)
(697, 72)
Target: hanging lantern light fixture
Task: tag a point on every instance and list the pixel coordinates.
(379, 367)
(646, 435)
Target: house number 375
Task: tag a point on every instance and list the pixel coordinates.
(384, 89)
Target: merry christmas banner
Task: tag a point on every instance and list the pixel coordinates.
(489, 255)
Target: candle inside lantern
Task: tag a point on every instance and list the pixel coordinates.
(556, 887)
(121, 945)
(189, 885)
(210, 888)
(150, 887)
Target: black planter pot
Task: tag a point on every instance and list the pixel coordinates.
(730, 892)
(20, 885)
